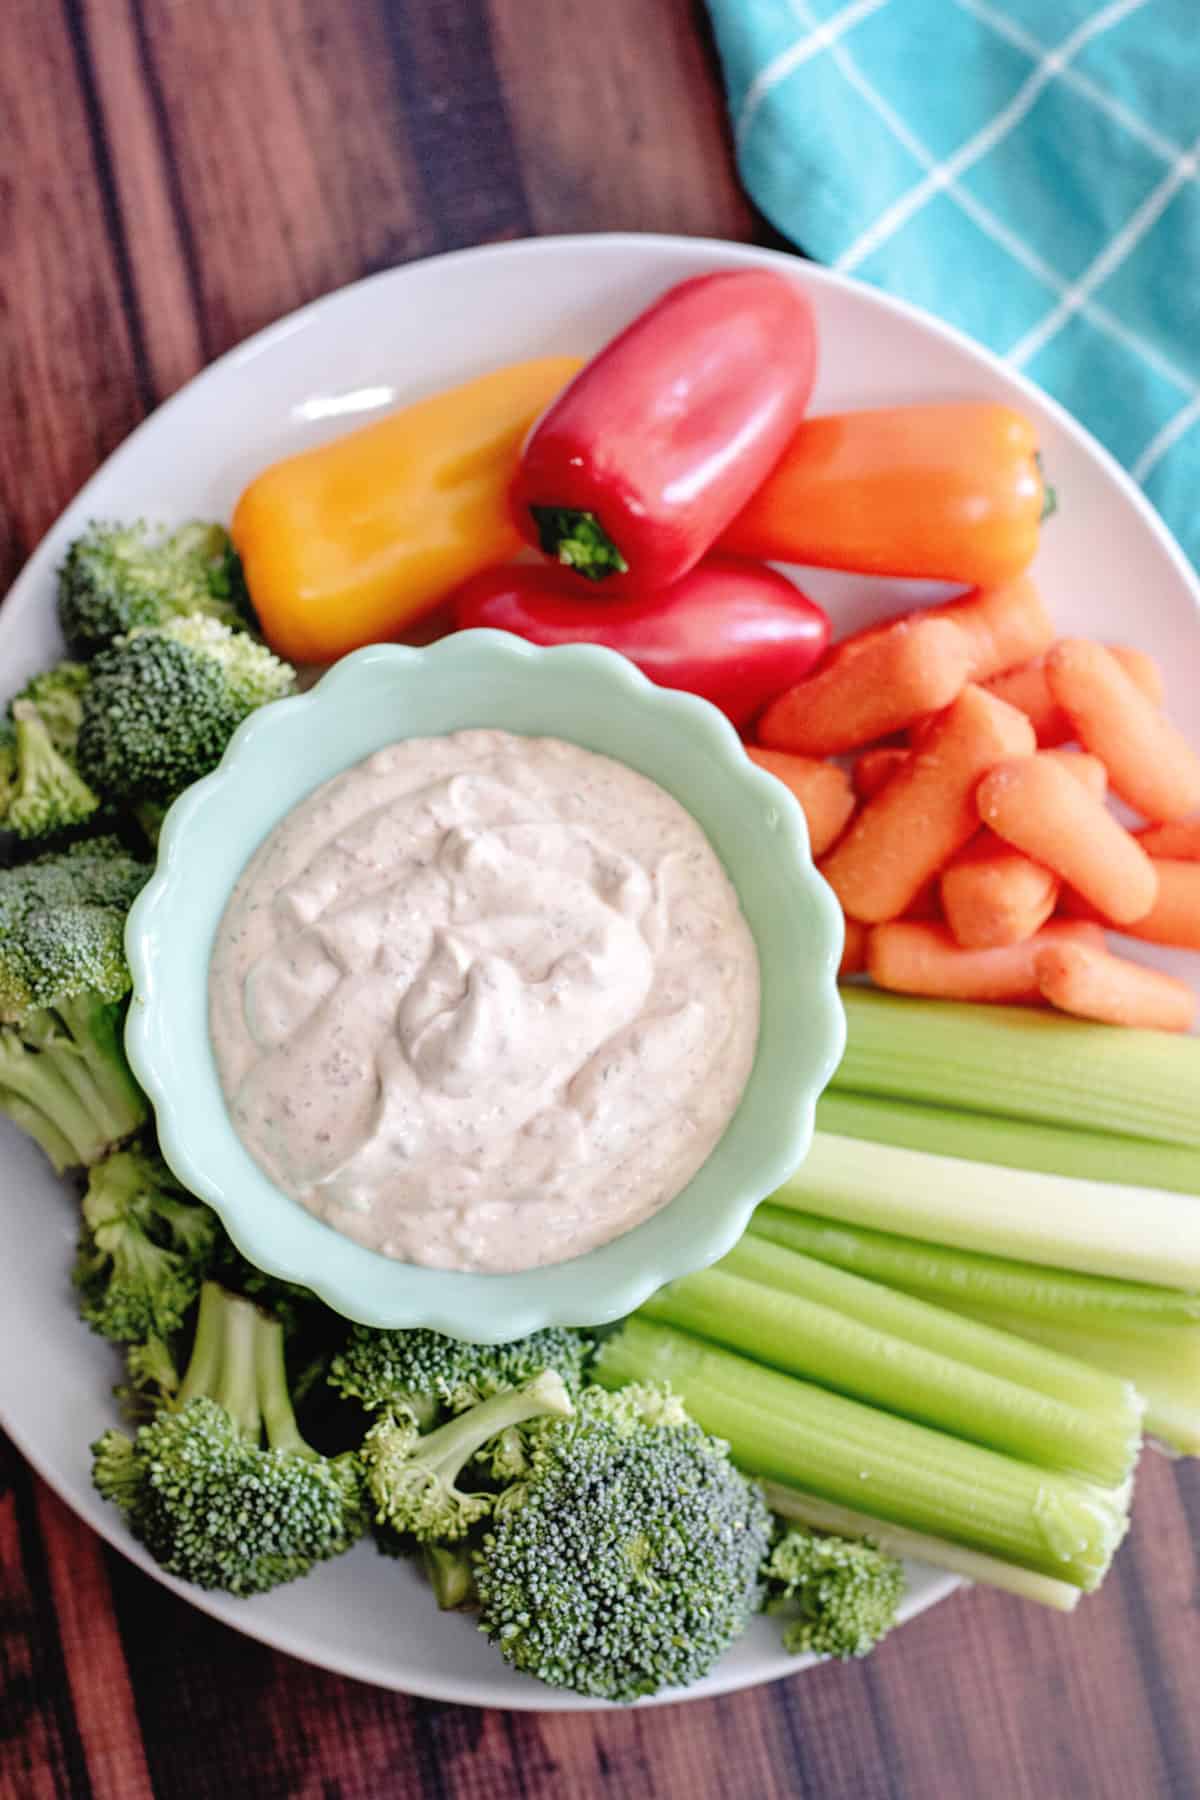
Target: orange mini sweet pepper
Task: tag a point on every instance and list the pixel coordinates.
(350, 543)
(950, 492)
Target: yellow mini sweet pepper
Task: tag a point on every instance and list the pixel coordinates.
(350, 543)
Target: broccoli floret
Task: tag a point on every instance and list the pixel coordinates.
(220, 1487)
(116, 578)
(63, 983)
(841, 1596)
(57, 694)
(431, 1375)
(628, 1560)
(413, 1478)
(46, 796)
(145, 1247)
(163, 703)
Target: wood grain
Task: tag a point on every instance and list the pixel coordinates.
(177, 175)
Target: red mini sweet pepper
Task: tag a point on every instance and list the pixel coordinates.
(658, 443)
(734, 632)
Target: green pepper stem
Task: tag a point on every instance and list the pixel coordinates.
(578, 540)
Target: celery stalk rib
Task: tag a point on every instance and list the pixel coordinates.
(939, 1553)
(1014, 1143)
(1023, 1064)
(1134, 1234)
(943, 1274)
(790, 1431)
(922, 1321)
(1162, 1362)
(839, 1349)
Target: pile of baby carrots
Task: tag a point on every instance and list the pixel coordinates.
(966, 828)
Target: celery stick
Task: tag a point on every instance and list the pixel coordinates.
(1135, 1234)
(1015, 1143)
(1023, 1064)
(909, 1372)
(923, 1321)
(938, 1553)
(854, 1455)
(942, 1274)
(1162, 1361)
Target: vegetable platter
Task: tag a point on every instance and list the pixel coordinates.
(1107, 567)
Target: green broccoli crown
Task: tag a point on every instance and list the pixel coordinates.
(62, 926)
(413, 1478)
(628, 1560)
(116, 578)
(841, 1596)
(57, 694)
(430, 1374)
(145, 1247)
(211, 1500)
(46, 796)
(163, 703)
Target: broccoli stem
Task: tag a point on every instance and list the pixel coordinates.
(95, 1027)
(35, 1124)
(68, 1065)
(38, 1079)
(237, 1360)
(450, 1574)
(451, 1446)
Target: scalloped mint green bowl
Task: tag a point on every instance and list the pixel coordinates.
(485, 678)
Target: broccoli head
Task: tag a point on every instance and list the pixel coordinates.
(220, 1486)
(413, 1478)
(163, 703)
(116, 578)
(145, 1247)
(839, 1595)
(63, 982)
(431, 1375)
(628, 1559)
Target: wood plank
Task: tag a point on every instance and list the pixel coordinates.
(101, 1698)
(279, 144)
(72, 369)
(618, 113)
(41, 1754)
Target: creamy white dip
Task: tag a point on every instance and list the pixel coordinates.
(484, 1001)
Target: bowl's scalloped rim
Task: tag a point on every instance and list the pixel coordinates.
(412, 1296)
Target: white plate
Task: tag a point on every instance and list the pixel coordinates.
(1108, 567)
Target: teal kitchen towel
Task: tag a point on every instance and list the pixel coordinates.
(1027, 169)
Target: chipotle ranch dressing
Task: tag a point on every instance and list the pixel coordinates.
(484, 1001)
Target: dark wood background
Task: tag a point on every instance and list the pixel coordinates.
(173, 175)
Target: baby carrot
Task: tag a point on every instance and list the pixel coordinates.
(874, 768)
(1175, 916)
(876, 685)
(926, 812)
(1179, 839)
(1004, 626)
(854, 949)
(822, 789)
(1149, 761)
(1088, 769)
(1038, 806)
(1092, 983)
(1141, 669)
(994, 895)
(1028, 689)
(924, 959)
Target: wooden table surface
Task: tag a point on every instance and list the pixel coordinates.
(177, 173)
